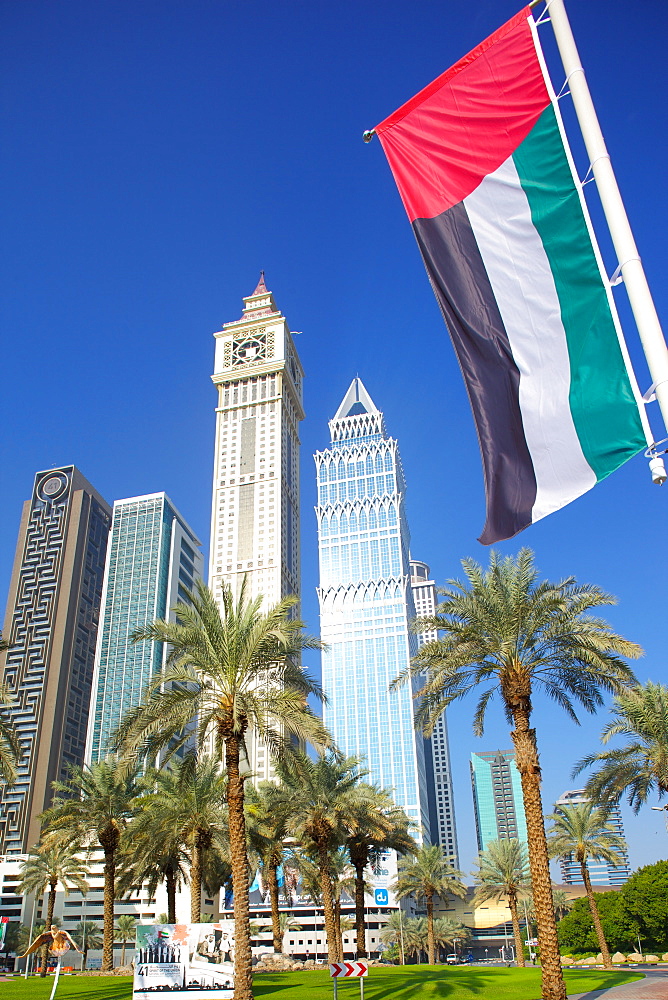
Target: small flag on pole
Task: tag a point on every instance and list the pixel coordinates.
(483, 167)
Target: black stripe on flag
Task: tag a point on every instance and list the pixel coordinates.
(460, 282)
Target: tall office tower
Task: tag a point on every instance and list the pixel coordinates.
(366, 601)
(255, 515)
(153, 555)
(600, 872)
(497, 797)
(51, 626)
(436, 749)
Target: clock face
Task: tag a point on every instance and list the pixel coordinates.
(249, 350)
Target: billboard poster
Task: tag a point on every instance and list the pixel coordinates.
(195, 960)
(383, 875)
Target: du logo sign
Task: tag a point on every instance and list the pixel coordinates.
(381, 896)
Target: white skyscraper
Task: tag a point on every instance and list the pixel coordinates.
(255, 514)
(437, 750)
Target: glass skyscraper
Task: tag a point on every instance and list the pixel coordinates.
(366, 601)
(153, 554)
(497, 797)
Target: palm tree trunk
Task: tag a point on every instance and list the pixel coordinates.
(272, 882)
(430, 928)
(598, 926)
(108, 909)
(519, 946)
(526, 758)
(359, 908)
(170, 885)
(123, 952)
(47, 926)
(339, 935)
(327, 902)
(243, 962)
(196, 882)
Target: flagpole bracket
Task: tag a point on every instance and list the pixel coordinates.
(650, 395)
(657, 467)
(544, 14)
(617, 278)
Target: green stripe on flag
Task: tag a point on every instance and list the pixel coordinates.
(601, 399)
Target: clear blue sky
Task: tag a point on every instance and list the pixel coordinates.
(156, 155)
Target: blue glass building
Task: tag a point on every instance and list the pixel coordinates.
(600, 872)
(497, 797)
(153, 554)
(366, 601)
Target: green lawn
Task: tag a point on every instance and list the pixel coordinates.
(413, 983)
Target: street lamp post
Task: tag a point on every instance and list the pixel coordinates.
(662, 809)
(526, 926)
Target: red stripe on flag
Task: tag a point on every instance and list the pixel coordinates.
(446, 139)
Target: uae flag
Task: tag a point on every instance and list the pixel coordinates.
(484, 170)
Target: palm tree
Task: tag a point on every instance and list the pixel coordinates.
(374, 824)
(562, 903)
(416, 936)
(426, 875)
(92, 807)
(307, 874)
(447, 931)
(268, 812)
(392, 933)
(87, 933)
(640, 767)
(216, 869)
(46, 868)
(323, 792)
(11, 751)
(126, 930)
(180, 808)
(152, 853)
(582, 831)
(286, 925)
(503, 871)
(343, 883)
(504, 630)
(234, 669)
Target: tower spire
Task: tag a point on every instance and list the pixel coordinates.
(261, 288)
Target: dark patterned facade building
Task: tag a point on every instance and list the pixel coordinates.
(51, 627)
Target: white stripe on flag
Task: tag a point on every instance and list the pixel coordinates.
(521, 279)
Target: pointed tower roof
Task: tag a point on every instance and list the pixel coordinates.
(260, 303)
(357, 416)
(261, 288)
(356, 401)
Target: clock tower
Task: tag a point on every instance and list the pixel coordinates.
(255, 515)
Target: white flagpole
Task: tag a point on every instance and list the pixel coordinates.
(630, 265)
